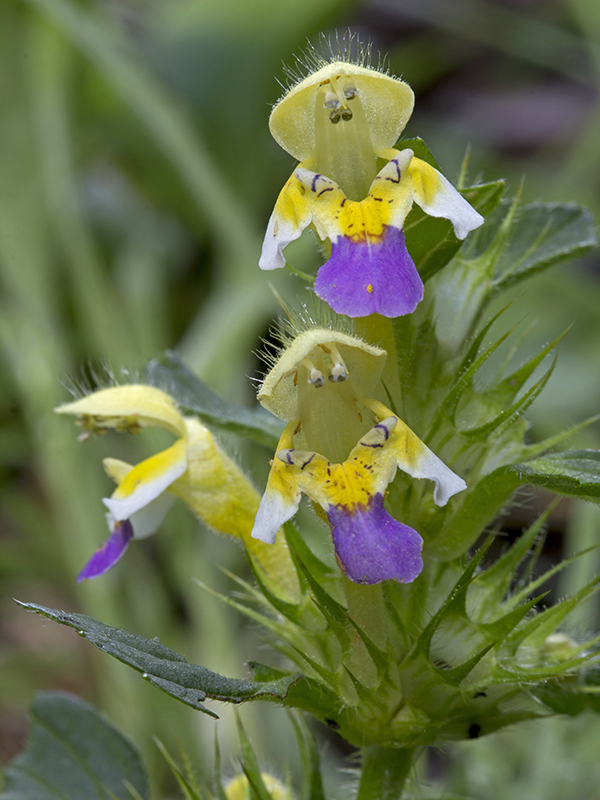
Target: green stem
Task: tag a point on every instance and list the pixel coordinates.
(379, 331)
(367, 608)
(384, 772)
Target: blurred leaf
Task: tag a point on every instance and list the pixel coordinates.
(575, 473)
(192, 395)
(74, 753)
(419, 148)
(166, 669)
(431, 241)
(311, 786)
(163, 118)
(184, 776)
(251, 768)
(564, 699)
(542, 235)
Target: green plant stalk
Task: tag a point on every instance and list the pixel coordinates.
(384, 772)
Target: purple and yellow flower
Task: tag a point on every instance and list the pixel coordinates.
(194, 468)
(339, 123)
(321, 384)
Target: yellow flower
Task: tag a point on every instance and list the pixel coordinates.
(342, 447)
(194, 468)
(341, 123)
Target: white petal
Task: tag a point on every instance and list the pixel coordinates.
(147, 481)
(447, 483)
(290, 217)
(438, 198)
(147, 520)
(275, 508)
(278, 235)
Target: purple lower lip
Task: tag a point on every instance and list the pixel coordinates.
(377, 277)
(110, 552)
(371, 546)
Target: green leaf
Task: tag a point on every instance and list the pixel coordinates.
(184, 776)
(455, 603)
(465, 378)
(508, 387)
(478, 507)
(542, 235)
(513, 411)
(563, 699)
(311, 786)
(193, 396)
(504, 625)
(251, 768)
(575, 473)
(484, 197)
(74, 753)
(499, 577)
(419, 148)
(166, 669)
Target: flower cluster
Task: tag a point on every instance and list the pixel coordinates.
(342, 444)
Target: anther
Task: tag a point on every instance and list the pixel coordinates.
(350, 92)
(315, 376)
(332, 100)
(338, 372)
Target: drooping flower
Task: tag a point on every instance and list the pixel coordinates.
(195, 468)
(341, 447)
(338, 122)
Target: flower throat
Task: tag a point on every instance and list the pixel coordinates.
(344, 150)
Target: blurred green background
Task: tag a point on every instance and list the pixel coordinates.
(137, 175)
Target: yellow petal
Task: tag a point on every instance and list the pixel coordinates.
(146, 481)
(365, 363)
(387, 102)
(127, 407)
(217, 490)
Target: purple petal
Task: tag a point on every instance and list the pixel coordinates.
(110, 552)
(372, 547)
(377, 277)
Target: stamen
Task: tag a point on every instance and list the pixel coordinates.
(315, 376)
(344, 152)
(335, 100)
(332, 100)
(339, 372)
